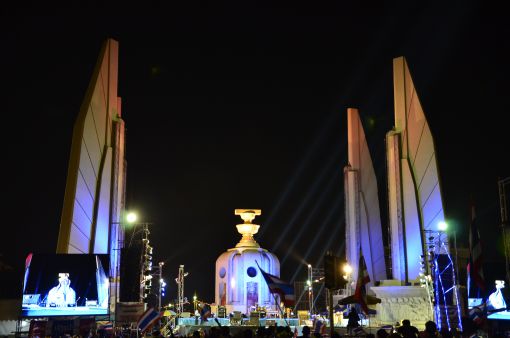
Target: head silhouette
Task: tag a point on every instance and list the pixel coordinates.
(430, 326)
(306, 330)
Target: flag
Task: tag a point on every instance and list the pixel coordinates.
(478, 314)
(474, 268)
(148, 318)
(363, 278)
(105, 325)
(279, 287)
(387, 328)
(319, 327)
(205, 313)
(358, 331)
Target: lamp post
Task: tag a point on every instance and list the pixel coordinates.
(118, 232)
(347, 269)
(145, 263)
(310, 288)
(161, 284)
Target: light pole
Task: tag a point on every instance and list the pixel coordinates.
(310, 288)
(161, 284)
(347, 269)
(115, 262)
(145, 263)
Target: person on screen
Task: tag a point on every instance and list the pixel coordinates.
(62, 294)
(496, 299)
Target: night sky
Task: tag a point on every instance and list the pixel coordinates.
(244, 106)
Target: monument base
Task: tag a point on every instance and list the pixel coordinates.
(402, 302)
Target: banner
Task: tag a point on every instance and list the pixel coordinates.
(129, 312)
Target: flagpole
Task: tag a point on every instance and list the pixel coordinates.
(280, 308)
(275, 300)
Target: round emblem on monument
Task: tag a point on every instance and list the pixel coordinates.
(223, 272)
(252, 272)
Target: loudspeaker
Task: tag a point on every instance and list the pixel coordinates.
(130, 273)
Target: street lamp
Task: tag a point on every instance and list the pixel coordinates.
(310, 288)
(347, 269)
(195, 303)
(131, 217)
(442, 226)
(130, 223)
(162, 284)
(118, 232)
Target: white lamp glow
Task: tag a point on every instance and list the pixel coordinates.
(442, 226)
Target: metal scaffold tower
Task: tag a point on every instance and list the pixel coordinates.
(180, 290)
(439, 278)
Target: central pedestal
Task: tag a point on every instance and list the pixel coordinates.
(402, 302)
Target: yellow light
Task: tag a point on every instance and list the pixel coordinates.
(347, 269)
(131, 217)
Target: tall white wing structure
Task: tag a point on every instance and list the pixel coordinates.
(95, 187)
(363, 220)
(94, 192)
(414, 192)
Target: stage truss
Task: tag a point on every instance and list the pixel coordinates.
(442, 282)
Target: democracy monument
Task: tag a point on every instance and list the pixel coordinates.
(405, 281)
(239, 284)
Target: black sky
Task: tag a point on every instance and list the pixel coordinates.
(244, 106)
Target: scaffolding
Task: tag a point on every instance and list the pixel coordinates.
(180, 290)
(439, 278)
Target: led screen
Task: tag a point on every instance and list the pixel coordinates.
(497, 302)
(65, 285)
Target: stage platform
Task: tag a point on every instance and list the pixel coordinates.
(187, 326)
(502, 315)
(262, 322)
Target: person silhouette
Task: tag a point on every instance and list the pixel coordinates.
(407, 330)
(62, 294)
(353, 320)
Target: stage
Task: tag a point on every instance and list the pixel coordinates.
(502, 315)
(186, 326)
